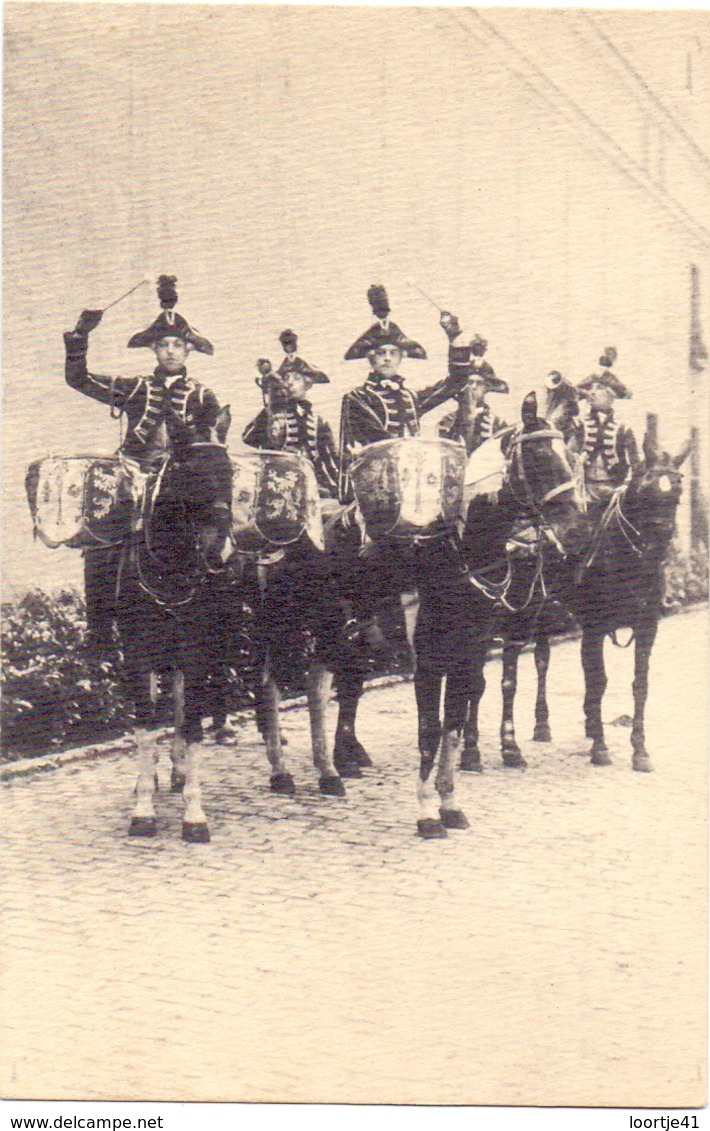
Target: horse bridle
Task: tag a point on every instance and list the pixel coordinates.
(516, 458)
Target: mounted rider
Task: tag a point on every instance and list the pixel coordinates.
(458, 425)
(288, 422)
(384, 408)
(607, 447)
(164, 411)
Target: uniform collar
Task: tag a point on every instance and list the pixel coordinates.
(375, 381)
(301, 405)
(169, 379)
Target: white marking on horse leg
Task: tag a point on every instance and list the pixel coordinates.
(192, 792)
(178, 751)
(145, 785)
(153, 687)
(318, 684)
(410, 608)
(446, 772)
(426, 796)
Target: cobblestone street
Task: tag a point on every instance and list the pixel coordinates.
(317, 950)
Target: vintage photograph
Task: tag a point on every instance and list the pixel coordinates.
(355, 555)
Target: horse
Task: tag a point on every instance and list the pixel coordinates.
(170, 595)
(618, 583)
(499, 558)
(532, 618)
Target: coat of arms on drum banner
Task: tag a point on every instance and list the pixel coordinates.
(274, 501)
(77, 501)
(404, 488)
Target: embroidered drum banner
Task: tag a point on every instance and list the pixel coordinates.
(78, 501)
(406, 488)
(275, 501)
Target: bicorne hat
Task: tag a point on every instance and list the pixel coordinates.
(169, 324)
(605, 377)
(383, 332)
(480, 369)
(292, 363)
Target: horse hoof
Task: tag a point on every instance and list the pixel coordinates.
(226, 735)
(601, 758)
(282, 783)
(542, 733)
(350, 749)
(177, 781)
(514, 760)
(143, 826)
(195, 832)
(454, 819)
(348, 769)
(471, 763)
(332, 786)
(642, 763)
(431, 829)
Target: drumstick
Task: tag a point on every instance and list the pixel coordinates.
(426, 296)
(117, 300)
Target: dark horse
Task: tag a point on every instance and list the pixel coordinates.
(615, 582)
(171, 599)
(528, 615)
(501, 558)
(619, 584)
(300, 639)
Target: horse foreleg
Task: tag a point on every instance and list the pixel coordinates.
(194, 822)
(280, 781)
(318, 684)
(510, 750)
(542, 731)
(140, 685)
(455, 704)
(471, 755)
(143, 822)
(178, 752)
(645, 636)
(595, 686)
(349, 754)
(410, 609)
(427, 688)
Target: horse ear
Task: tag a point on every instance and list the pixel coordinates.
(528, 411)
(650, 449)
(683, 454)
(224, 419)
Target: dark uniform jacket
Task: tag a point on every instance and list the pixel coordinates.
(484, 425)
(384, 409)
(163, 411)
(297, 428)
(608, 451)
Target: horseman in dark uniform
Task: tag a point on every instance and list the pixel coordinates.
(607, 448)
(384, 408)
(164, 411)
(481, 381)
(288, 422)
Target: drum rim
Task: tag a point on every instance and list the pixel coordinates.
(419, 441)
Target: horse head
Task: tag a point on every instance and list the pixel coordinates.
(540, 480)
(198, 487)
(653, 494)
